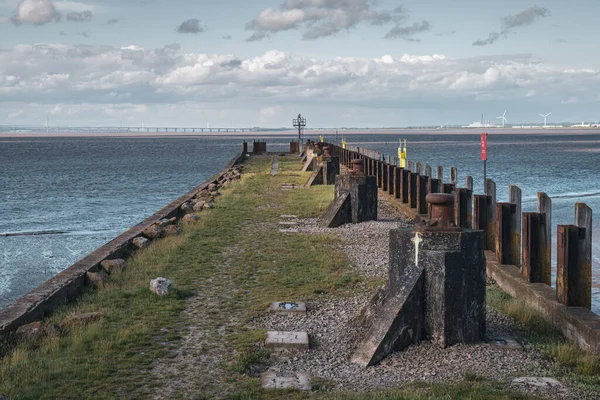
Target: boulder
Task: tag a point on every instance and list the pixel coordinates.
(79, 319)
(112, 266)
(140, 242)
(96, 278)
(153, 232)
(166, 222)
(187, 207)
(208, 205)
(172, 230)
(212, 186)
(36, 330)
(189, 218)
(161, 286)
(199, 206)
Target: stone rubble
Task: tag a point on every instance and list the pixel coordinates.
(161, 286)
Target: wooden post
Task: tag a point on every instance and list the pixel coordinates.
(379, 172)
(568, 274)
(412, 189)
(544, 207)
(422, 191)
(418, 168)
(384, 176)
(390, 174)
(453, 176)
(514, 197)
(481, 219)
(397, 182)
(490, 190)
(440, 173)
(463, 204)
(405, 185)
(427, 170)
(583, 220)
(469, 183)
(449, 188)
(532, 246)
(504, 218)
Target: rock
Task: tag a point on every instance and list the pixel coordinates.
(212, 186)
(172, 230)
(140, 242)
(32, 331)
(111, 266)
(187, 207)
(96, 278)
(79, 319)
(199, 206)
(207, 205)
(161, 286)
(537, 382)
(189, 218)
(153, 232)
(166, 222)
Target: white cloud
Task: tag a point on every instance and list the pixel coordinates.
(36, 12)
(268, 113)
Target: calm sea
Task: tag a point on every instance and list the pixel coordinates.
(89, 190)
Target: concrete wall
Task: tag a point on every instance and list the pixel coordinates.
(69, 283)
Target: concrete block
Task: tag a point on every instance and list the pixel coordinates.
(316, 177)
(339, 211)
(331, 169)
(298, 381)
(287, 307)
(287, 340)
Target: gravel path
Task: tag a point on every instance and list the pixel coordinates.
(334, 334)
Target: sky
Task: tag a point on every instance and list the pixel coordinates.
(341, 63)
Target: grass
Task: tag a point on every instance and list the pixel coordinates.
(225, 269)
(573, 364)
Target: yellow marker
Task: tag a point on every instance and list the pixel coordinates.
(321, 139)
(343, 142)
(403, 156)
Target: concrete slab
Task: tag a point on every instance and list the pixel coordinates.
(287, 307)
(298, 381)
(288, 223)
(288, 216)
(287, 340)
(504, 342)
(535, 381)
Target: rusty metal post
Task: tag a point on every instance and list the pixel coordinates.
(544, 207)
(404, 185)
(410, 165)
(418, 168)
(385, 167)
(453, 175)
(532, 246)
(440, 173)
(583, 220)
(469, 183)
(505, 217)
(481, 219)
(412, 189)
(397, 182)
(463, 207)
(490, 190)
(391, 183)
(568, 273)
(378, 165)
(422, 192)
(514, 197)
(427, 168)
(435, 186)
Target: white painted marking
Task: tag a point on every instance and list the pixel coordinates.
(417, 241)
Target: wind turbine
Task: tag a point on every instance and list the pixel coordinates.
(503, 117)
(545, 116)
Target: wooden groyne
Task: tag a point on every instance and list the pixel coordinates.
(518, 245)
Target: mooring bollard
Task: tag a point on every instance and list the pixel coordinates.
(435, 290)
(435, 186)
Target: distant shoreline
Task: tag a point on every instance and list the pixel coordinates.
(310, 133)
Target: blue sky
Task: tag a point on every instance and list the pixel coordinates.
(339, 62)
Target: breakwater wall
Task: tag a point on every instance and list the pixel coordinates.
(68, 284)
(518, 245)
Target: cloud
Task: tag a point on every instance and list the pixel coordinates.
(524, 18)
(168, 80)
(190, 26)
(36, 12)
(407, 32)
(112, 21)
(268, 113)
(80, 16)
(226, 37)
(321, 18)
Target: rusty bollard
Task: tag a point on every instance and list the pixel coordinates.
(442, 213)
(326, 152)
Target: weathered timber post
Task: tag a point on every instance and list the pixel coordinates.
(410, 165)
(463, 207)
(544, 207)
(391, 179)
(428, 171)
(422, 192)
(454, 176)
(379, 172)
(490, 190)
(404, 185)
(532, 245)
(418, 168)
(385, 180)
(469, 183)
(505, 218)
(574, 269)
(397, 182)
(412, 189)
(244, 147)
(481, 219)
(449, 188)
(294, 147)
(514, 197)
(440, 173)
(331, 168)
(435, 289)
(435, 186)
